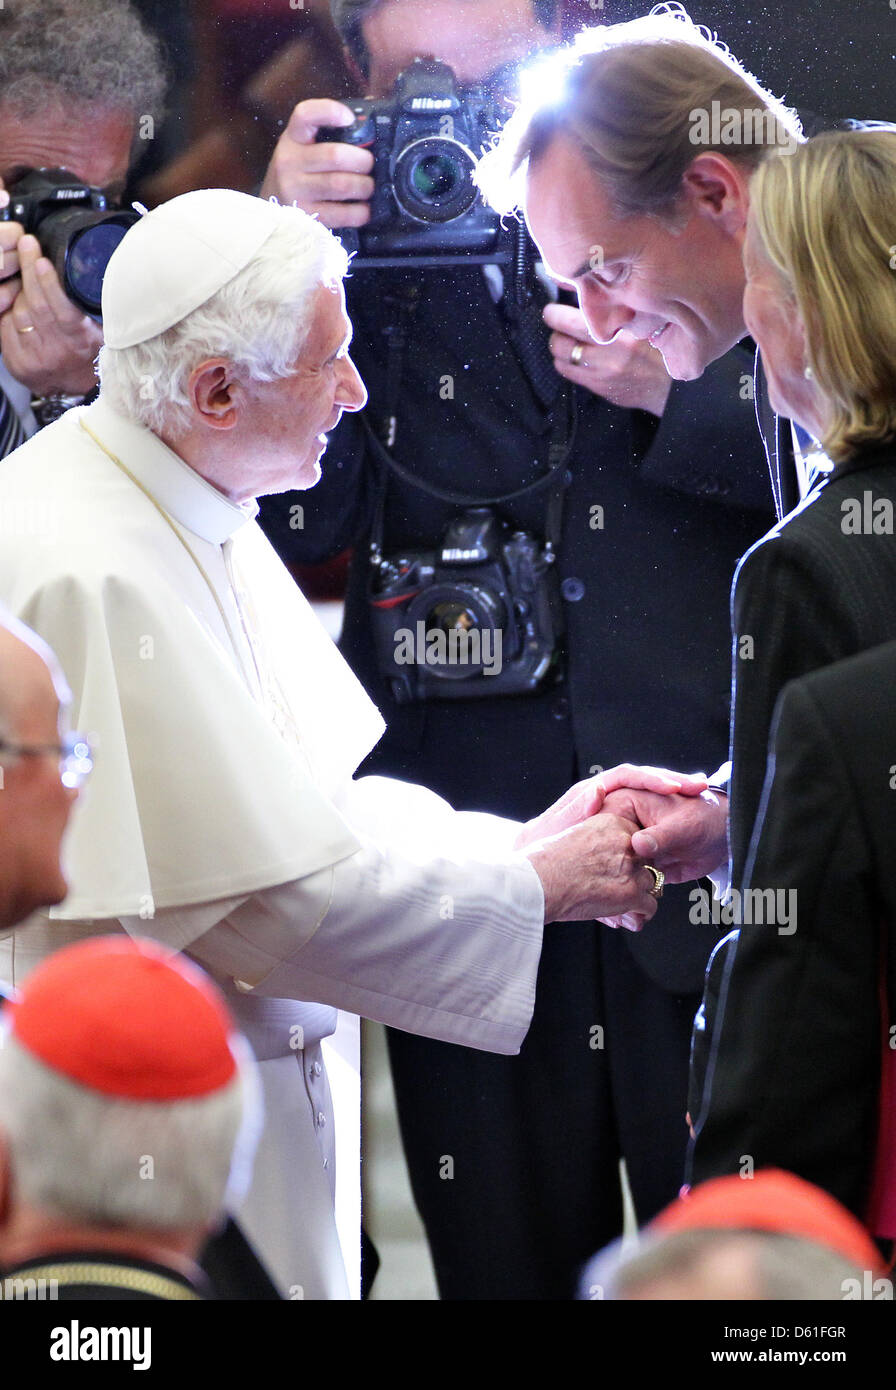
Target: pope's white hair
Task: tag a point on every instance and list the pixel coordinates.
(95, 1159)
(259, 322)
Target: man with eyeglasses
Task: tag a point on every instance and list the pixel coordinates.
(41, 769)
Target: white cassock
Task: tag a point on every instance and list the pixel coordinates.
(221, 817)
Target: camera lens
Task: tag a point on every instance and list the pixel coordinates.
(434, 176)
(433, 179)
(463, 624)
(452, 616)
(79, 242)
(88, 255)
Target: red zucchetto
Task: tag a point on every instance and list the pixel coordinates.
(771, 1200)
(126, 1018)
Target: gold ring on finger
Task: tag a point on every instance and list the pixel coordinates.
(29, 328)
(659, 878)
(577, 353)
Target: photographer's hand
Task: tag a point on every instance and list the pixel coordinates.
(329, 179)
(10, 236)
(46, 341)
(628, 372)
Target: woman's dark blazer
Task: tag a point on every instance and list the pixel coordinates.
(811, 592)
(793, 1065)
(820, 587)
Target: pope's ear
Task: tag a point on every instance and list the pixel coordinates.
(214, 392)
(719, 189)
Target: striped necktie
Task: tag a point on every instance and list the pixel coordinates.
(11, 432)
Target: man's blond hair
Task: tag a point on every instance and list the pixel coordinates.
(640, 101)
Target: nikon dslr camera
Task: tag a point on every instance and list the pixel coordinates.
(426, 140)
(480, 616)
(77, 227)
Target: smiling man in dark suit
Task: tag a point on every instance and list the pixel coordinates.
(635, 181)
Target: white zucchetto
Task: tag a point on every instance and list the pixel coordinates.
(176, 257)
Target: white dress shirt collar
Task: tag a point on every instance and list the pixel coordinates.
(177, 487)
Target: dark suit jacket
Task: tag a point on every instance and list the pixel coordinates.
(806, 595)
(646, 673)
(795, 1054)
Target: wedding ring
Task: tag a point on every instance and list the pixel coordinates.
(29, 328)
(659, 878)
(577, 354)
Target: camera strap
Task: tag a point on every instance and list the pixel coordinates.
(402, 305)
(522, 304)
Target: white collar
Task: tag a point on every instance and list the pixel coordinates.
(177, 487)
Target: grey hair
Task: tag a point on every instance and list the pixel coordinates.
(83, 1156)
(638, 100)
(95, 51)
(258, 321)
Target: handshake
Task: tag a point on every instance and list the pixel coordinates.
(596, 848)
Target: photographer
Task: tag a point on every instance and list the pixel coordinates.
(631, 655)
(81, 83)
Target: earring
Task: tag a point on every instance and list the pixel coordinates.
(808, 374)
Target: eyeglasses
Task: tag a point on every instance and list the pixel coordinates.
(74, 754)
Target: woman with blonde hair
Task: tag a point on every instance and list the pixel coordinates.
(820, 300)
(792, 1077)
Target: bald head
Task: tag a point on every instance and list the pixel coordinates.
(34, 803)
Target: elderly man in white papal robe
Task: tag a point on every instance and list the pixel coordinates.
(222, 818)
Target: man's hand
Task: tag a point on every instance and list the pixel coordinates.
(627, 372)
(47, 343)
(586, 798)
(331, 180)
(591, 871)
(685, 836)
(10, 235)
